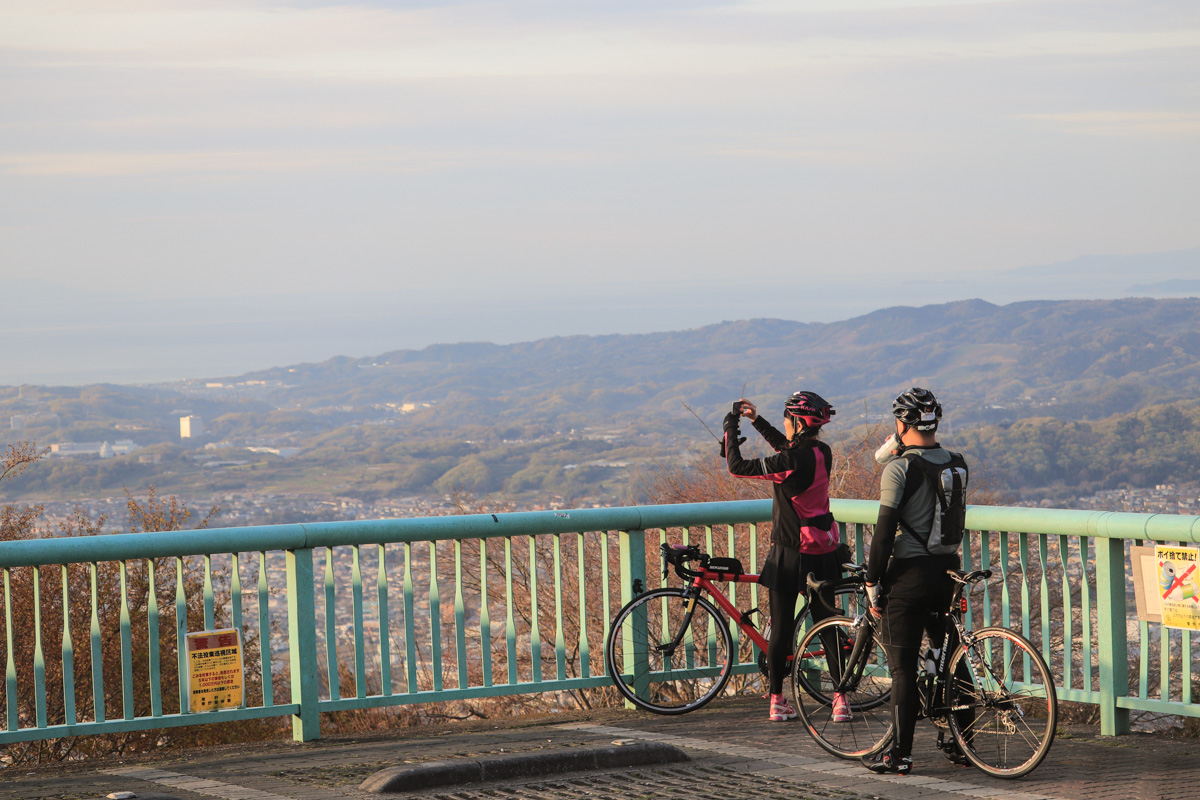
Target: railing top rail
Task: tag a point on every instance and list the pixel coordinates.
(118, 547)
(1053, 521)
(1099, 524)
(129, 546)
(126, 546)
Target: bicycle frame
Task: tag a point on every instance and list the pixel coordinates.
(958, 605)
(704, 582)
(953, 614)
(638, 655)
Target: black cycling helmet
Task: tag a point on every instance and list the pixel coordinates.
(808, 407)
(918, 408)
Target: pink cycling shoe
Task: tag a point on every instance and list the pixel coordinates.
(841, 708)
(781, 709)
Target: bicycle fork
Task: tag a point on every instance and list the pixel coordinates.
(668, 648)
(854, 665)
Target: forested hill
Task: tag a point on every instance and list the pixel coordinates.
(576, 416)
(1046, 458)
(1088, 358)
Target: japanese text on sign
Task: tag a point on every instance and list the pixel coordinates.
(1179, 586)
(215, 674)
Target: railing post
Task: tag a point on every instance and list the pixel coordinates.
(633, 563)
(302, 644)
(633, 569)
(1114, 652)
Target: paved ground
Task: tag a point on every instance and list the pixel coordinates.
(736, 753)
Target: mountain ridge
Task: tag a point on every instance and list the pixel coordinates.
(972, 347)
(533, 415)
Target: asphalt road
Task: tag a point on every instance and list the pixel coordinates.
(735, 753)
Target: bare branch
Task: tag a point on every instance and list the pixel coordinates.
(19, 458)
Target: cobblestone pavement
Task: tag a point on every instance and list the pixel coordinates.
(736, 753)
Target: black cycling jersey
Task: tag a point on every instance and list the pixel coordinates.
(799, 473)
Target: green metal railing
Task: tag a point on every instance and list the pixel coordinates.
(490, 605)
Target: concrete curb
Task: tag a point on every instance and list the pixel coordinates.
(416, 777)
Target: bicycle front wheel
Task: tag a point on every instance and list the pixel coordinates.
(668, 652)
(1004, 716)
(827, 659)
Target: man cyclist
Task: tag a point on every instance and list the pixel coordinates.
(906, 582)
(804, 536)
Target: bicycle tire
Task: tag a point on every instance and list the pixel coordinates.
(1013, 722)
(851, 600)
(673, 682)
(867, 689)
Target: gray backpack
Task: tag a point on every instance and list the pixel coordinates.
(948, 482)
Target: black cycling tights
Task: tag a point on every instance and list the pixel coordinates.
(779, 647)
(783, 623)
(918, 591)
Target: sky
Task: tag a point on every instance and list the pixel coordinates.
(445, 171)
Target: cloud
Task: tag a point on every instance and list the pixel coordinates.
(230, 163)
(353, 42)
(616, 138)
(1123, 123)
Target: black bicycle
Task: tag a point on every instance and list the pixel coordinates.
(992, 691)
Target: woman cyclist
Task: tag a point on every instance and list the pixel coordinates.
(804, 535)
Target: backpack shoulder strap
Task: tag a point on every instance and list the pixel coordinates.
(957, 460)
(918, 469)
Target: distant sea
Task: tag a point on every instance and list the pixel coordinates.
(57, 335)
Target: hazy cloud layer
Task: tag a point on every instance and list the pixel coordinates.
(476, 149)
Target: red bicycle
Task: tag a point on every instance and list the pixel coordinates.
(670, 650)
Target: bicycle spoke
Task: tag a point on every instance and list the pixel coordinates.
(816, 676)
(663, 658)
(1005, 726)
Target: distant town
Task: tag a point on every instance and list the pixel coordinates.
(579, 421)
(1166, 498)
(237, 509)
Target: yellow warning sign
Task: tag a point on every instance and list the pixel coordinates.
(1179, 585)
(214, 667)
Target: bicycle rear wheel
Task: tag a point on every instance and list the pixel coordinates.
(849, 599)
(826, 659)
(1007, 713)
(666, 659)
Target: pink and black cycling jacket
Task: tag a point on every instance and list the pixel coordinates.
(800, 477)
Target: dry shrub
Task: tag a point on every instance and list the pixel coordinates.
(150, 514)
(703, 478)
(698, 478)
(591, 616)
